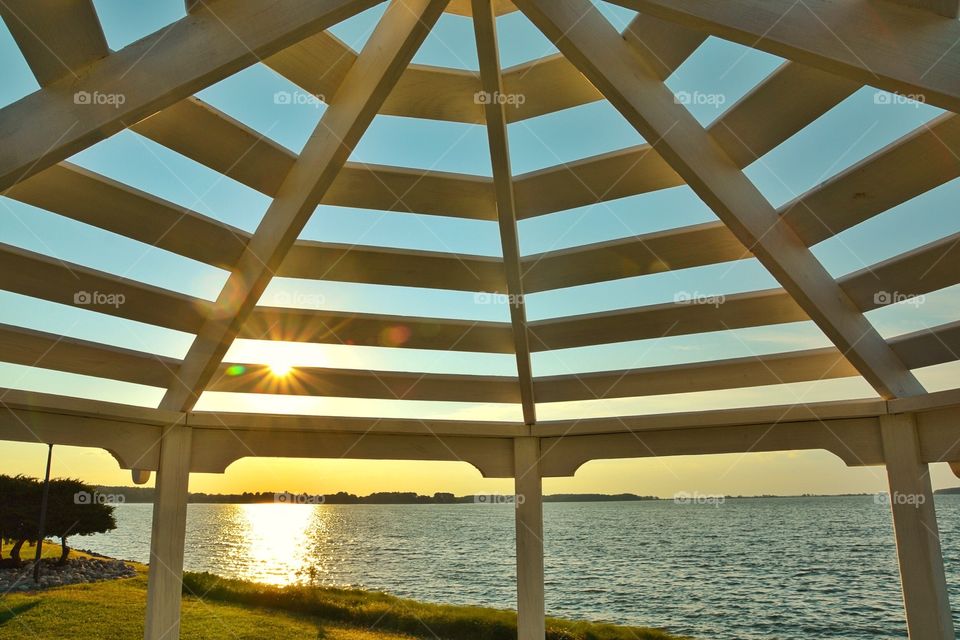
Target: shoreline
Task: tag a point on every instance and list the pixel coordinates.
(140, 495)
(345, 613)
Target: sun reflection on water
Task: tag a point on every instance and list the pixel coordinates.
(276, 540)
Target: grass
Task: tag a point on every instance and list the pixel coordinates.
(214, 607)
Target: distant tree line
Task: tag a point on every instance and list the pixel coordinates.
(145, 494)
(73, 509)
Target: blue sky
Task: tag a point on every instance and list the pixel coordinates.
(853, 130)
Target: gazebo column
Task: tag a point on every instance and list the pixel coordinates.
(529, 520)
(165, 578)
(915, 526)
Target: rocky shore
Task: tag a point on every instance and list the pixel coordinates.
(75, 571)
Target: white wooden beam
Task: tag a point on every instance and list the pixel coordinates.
(58, 38)
(377, 330)
(168, 534)
(209, 136)
(485, 30)
(71, 114)
(621, 74)
(528, 493)
(39, 276)
(388, 51)
(945, 8)
(363, 383)
(915, 526)
(874, 42)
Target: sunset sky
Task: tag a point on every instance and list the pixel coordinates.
(856, 128)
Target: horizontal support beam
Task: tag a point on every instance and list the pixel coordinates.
(59, 353)
(352, 425)
(856, 441)
(398, 267)
(920, 271)
(798, 94)
(77, 193)
(906, 168)
(735, 311)
(93, 199)
(849, 429)
(215, 449)
(733, 373)
(711, 418)
(39, 276)
(361, 383)
(375, 330)
(214, 139)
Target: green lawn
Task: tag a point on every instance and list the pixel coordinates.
(240, 610)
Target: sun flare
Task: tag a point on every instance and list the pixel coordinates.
(280, 368)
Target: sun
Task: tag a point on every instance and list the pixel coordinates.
(280, 368)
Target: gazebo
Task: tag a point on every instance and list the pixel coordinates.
(831, 49)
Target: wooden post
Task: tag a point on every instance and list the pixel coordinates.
(915, 526)
(167, 536)
(529, 519)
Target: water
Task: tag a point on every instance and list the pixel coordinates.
(785, 568)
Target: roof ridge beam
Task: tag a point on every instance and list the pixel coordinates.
(396, 38)
(585, 36)
(485, 31)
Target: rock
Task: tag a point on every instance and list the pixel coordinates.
(75, 571)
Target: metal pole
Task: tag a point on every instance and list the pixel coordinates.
(43, 516)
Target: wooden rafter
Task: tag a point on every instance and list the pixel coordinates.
(48, 351)
(917, 272)
(361, 383)
(946, 8)
(924, 348)
(377, 330)
(869, 41)
(39, 276)
(485, 30)
(393, 43)
(621, 74)
(57, 38)
(129, 85)
(212, 138)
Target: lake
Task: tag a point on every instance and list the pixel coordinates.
(786, 568)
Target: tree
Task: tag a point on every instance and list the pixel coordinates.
(73, 509)
(76, 510)
(19, 512)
